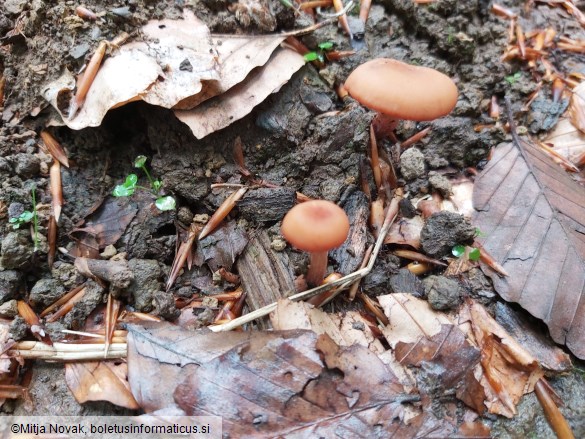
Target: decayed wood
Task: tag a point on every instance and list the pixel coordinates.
(267, 204)
(351, 253)
(265, 274)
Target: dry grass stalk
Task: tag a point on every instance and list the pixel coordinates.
(35, 350)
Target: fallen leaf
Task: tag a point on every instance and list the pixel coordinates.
(107, 224)
(509, 371)
(532, 339)
(405, 231)
(577, 107)
(222, 248)
(567, 140)
(179, 65)
(169, 66)
(420, 335)
(240, 100)
(100, 381)
(344, 329)
(237, 56)
(291, 383)
(533, 217)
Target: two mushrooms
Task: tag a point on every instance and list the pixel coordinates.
(395, 89)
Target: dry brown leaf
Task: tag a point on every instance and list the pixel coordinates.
(105, 226)
(222, 248)
(345, 330)
(179, 65)
(567, 140)
(405, 231)
(164, 69)
(577, 108)
(240, 100)
(509, 371)
(100, 381)
(291, 383)
(533, 217)
(549, 355)
(419, 334)
(237, 56)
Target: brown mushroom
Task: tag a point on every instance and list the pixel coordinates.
(316, 226)
(401, 90)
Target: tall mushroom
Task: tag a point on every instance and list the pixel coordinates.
(401, 90)
(316, 226)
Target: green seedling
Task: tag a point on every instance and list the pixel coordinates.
(140, 162)
(26, 217)
(127, 188)
(513, 78)
(130, 185)
(320, 54)
(459, 250)
(22, 219)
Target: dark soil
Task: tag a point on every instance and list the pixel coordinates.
(295, 139)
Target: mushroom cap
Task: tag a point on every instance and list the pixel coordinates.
(401, 90)
(315, 226)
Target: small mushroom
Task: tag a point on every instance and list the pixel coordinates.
(316, 226)
(401, 90)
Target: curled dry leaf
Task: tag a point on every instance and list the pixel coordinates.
(533, 216)
(169, 66)
(509, 371)
(100, 381)
(179, 65)
(221, 111)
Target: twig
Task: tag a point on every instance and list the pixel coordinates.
(35, 350)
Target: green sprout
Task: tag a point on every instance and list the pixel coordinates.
(513, 78)
(22, 219)
(129, 186)
(319, 55)
(140, 162)
(26, 217)
(459, 250)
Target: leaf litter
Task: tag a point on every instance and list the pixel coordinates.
(178, 64)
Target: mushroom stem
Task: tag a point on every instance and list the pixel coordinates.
(317, 268)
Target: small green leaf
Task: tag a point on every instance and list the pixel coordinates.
(474, 254)
(311, 56)
(131, 181)
(140, 161)
(513, 78)
(165, 203)
(26, 216)
(478, 232)
(13, 220)
(327, 45)
(122, 191)
(156, 185)
(458, 250)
